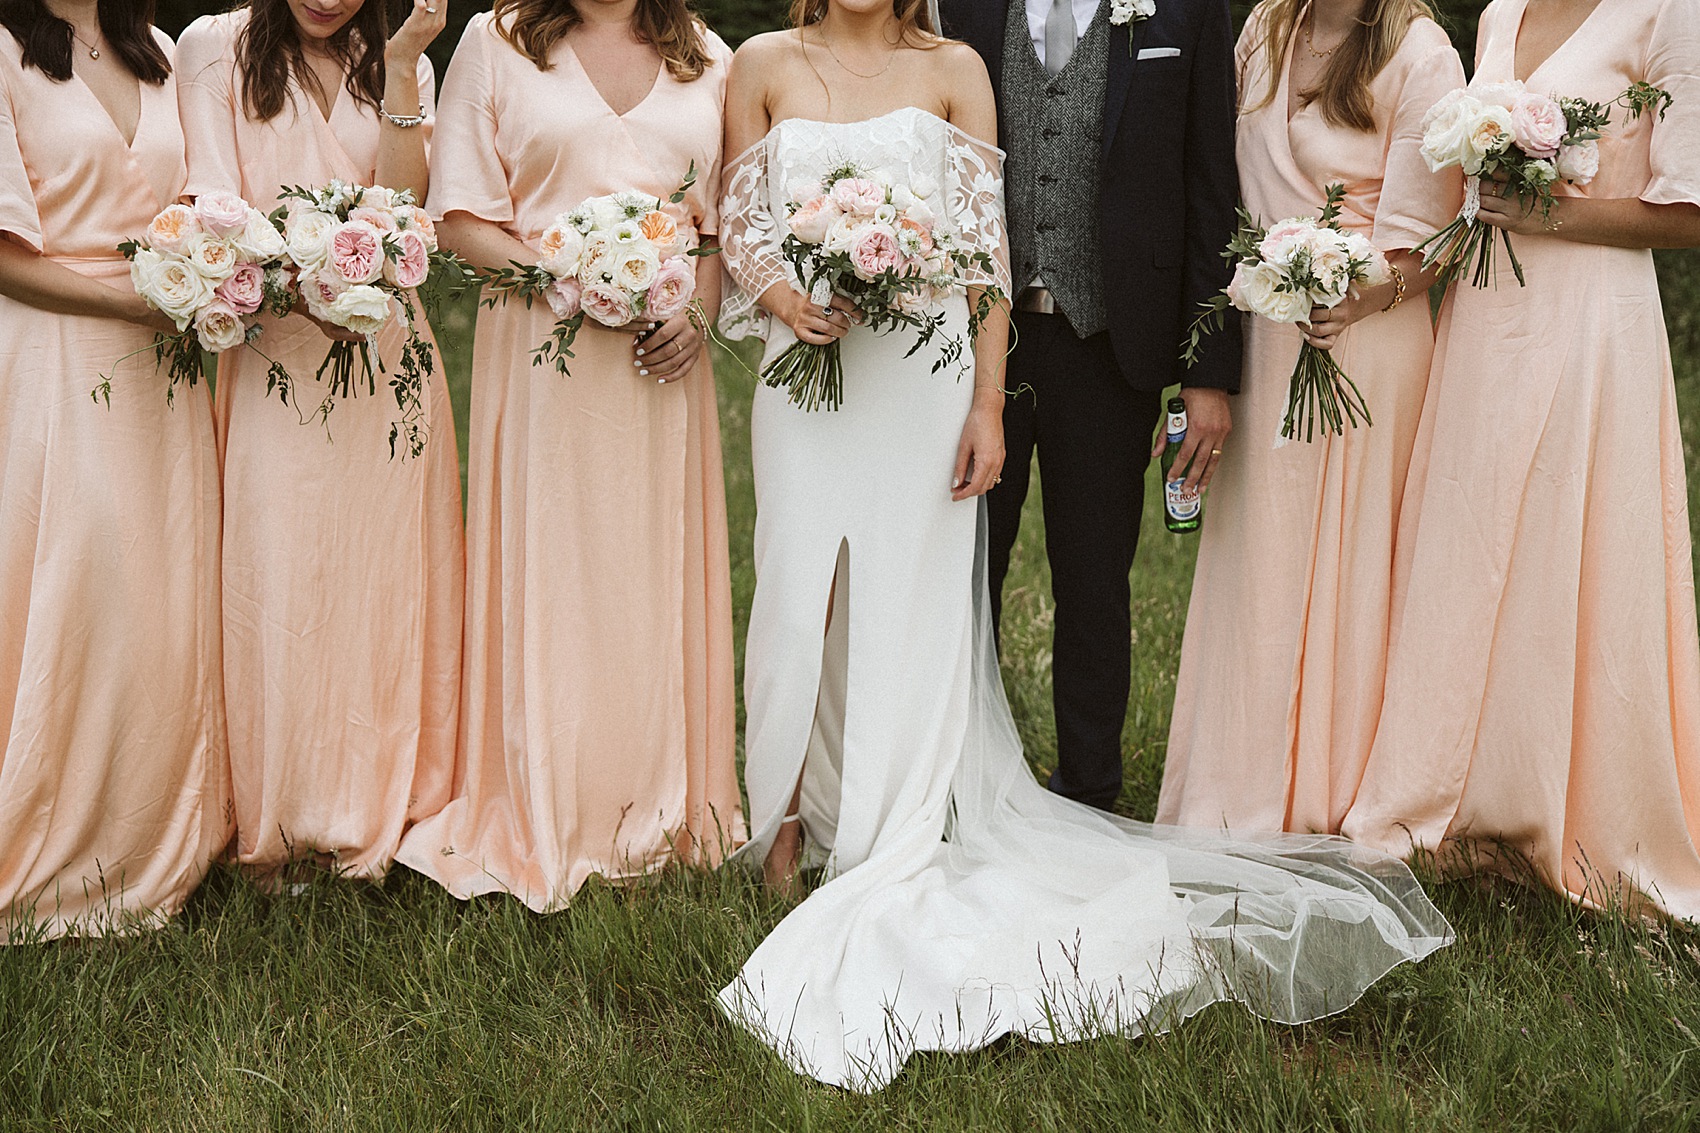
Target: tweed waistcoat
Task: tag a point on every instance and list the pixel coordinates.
(1054, 134)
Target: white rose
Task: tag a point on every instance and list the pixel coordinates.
(1446, 129)
(320, 290)
(597, 263)
(636, 268)
(841, 234)
(259, 239)
(377, 197)
(1489, 134)
(219, 328)
(1579, 163)
(1541, 172)
(363, 309)
(145, 267)
(903, 198)
(920, 214)
(1257, 288)
(179, 291)
(308, 236)
(214, 258)
(1503, 95)
(559, 250)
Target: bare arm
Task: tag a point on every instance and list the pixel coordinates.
(401, 150)
(38, 282)
(482, 243)
(1621, 223)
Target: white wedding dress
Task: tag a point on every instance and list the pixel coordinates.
(963, 901)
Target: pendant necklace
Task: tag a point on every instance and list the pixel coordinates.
(890, 59)
(94, 52)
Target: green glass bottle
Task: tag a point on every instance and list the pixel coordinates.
(1183, 508)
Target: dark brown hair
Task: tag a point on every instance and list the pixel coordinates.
(126, 24)
(1343, 92)
(269, 58)
(534, 27)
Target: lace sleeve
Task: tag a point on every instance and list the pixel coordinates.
(749, 244)
(975, 201)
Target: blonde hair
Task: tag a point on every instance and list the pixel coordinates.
(533, 27)
(1343, 93)
(914, 18)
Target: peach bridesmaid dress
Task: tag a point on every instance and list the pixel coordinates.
(1543, 692)
(1286, 639)
(343, 568)
(597, 709)
(113, 795)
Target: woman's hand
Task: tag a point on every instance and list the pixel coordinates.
(810, 323)
(330, 330)
(147, 318)
(1516, 214)
(671, 352)
(980, 454)
(424, 23)
(1327, 323)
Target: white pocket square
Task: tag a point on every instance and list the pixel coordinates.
(1158, 52)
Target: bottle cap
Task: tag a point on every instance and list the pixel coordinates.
(1176, 405)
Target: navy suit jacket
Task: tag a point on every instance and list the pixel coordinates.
(1170, 187)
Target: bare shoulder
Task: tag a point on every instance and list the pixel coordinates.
(960, 62)
(769, 49)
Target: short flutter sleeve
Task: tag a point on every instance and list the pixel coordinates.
(467, 174)
(974, 198)
(720, 67)
(749, 243)
(18, 215)
(1673, 65)
(205, 75)
(427, 98)
(1416, 203)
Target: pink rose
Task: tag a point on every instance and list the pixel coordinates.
(857, 195)
(222, 214)
(412, 263)
(812, 219)
(245, 290)
(320, 290)
(1579, 163)
(607, 304)
(415, 218)
(381, 219)
(1537, 124)
(675, 285)
(875, 251)
(565, 297)
(357, 252)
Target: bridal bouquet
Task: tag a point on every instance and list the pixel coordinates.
(1531, 141)
(210, 268)
(1280, 273)
(882, 247)
(360, 253)
(614, 258)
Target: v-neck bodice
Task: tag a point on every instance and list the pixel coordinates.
(229, 152)
(519, 145)
(70, 186)
(1287, 164)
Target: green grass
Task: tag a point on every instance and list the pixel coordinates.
(393, 1007)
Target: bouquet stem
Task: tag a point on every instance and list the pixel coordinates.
(813, 373)
(1320, 387)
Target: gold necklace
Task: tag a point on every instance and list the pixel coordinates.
(1310, 46)
(890, 59)
(94, 52)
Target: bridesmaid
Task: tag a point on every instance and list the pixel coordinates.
(1282, 665)
(597, 729)
(1543, 693)
(113, 797)
(343, 568)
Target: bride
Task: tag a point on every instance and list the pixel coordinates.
(963, 902)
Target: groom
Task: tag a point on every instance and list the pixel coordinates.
(1121, 190)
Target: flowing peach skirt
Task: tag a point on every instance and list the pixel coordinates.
(597, 708)
(113, 789)
(343, 576)
(1543, 690)
(1286, 639)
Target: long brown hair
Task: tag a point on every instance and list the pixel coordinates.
(269, 56)
(126, 24)
(534, 27)
(914, 19)
(1343, 93)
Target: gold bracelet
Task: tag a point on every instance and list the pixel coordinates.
(1398, 288)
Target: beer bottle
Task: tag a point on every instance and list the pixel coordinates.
(1183, 508)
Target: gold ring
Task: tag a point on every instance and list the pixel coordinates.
(997, 480)
(1215, 452)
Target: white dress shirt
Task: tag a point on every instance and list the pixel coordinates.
(1038, 10)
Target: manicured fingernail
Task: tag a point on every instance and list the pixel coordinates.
(955, 484)
(661, 381)
(643, 373)
(640, 352)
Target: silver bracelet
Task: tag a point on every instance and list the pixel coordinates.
(406, 122)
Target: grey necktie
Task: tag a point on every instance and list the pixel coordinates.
(1060, 35)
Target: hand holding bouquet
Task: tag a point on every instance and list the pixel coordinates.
(210, 268)
(361, 252)
(1525, 141)
(881, 246)
(615, 258)
(1280, 274)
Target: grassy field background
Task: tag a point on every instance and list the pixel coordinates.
(393, 1007)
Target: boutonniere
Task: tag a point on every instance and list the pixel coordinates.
(1125, 12)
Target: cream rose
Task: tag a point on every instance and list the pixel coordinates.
(219, 328)
(259, 240)
(173, 228)
(596, 265)
(635, 269)
(812, 219)
(559, 250)
(607, 304)
(308, 236)
(179, 291)
(212, 257)
(675, 286)
(1446, 128)
(363, 309)
(1489, 134)
(1258, 289)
